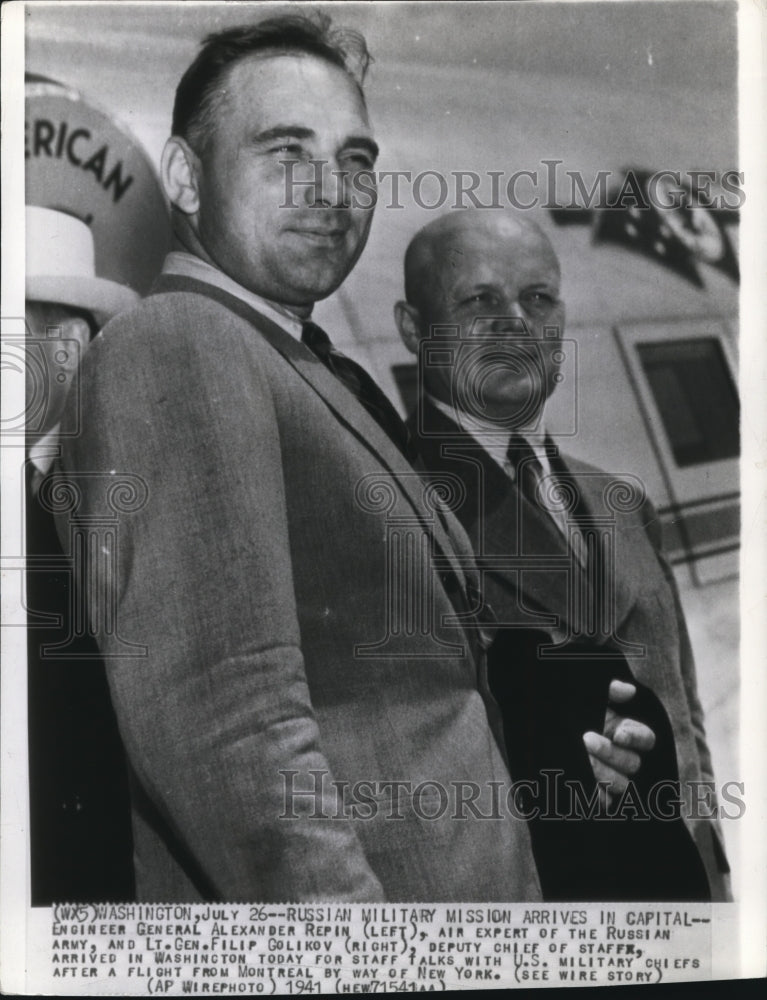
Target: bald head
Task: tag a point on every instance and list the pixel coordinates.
(494, 277)
(435, 251)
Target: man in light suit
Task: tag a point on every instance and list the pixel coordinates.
(592, 664)
(292, 733)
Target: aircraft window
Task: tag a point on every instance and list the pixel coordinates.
(696, 398)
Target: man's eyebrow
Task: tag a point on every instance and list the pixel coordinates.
(281, 131)
(465, 287)
(547, 283)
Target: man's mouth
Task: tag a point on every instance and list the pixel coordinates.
(321, 234)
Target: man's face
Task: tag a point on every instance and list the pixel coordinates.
(276, 108)
(58, 336)
(500, 285)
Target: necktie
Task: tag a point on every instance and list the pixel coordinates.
(525, 466)
(361, 385)
(528, 473)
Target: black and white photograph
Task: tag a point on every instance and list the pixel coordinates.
(383, 476)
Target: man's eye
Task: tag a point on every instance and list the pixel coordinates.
(357, 160)
(287, 149)
(537, 300)
(477, 298)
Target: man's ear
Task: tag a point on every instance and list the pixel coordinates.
(179, 170)
(408, 320)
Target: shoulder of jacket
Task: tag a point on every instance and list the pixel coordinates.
(178, 316)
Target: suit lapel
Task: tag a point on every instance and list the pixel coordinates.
(506, 528)
(516, 542)
(617, 549)
(336, 396)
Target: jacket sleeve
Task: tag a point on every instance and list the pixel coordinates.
(686, 658)
(216, 717)
(722, 892)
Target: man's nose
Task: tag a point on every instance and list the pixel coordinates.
(513, 319)
(329, 187)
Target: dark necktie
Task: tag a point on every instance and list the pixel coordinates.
(361, 385)
(528, 470)
(528, 474)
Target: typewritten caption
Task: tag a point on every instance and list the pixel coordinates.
(173, 949)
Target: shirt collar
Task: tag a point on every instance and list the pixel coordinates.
(495, 440)
(42, 455)
(189, 266)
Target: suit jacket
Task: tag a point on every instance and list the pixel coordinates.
(564, 635)
(80, 831)
(284, 681)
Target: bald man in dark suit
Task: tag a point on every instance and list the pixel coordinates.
(592, 666)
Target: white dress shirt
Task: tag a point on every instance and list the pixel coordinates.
(41, 455)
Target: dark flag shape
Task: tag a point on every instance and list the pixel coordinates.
(633, 221)
(661, 221)
(702, 232)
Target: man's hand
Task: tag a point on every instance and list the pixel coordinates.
(616, 753)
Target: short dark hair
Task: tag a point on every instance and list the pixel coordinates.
(200, 87)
